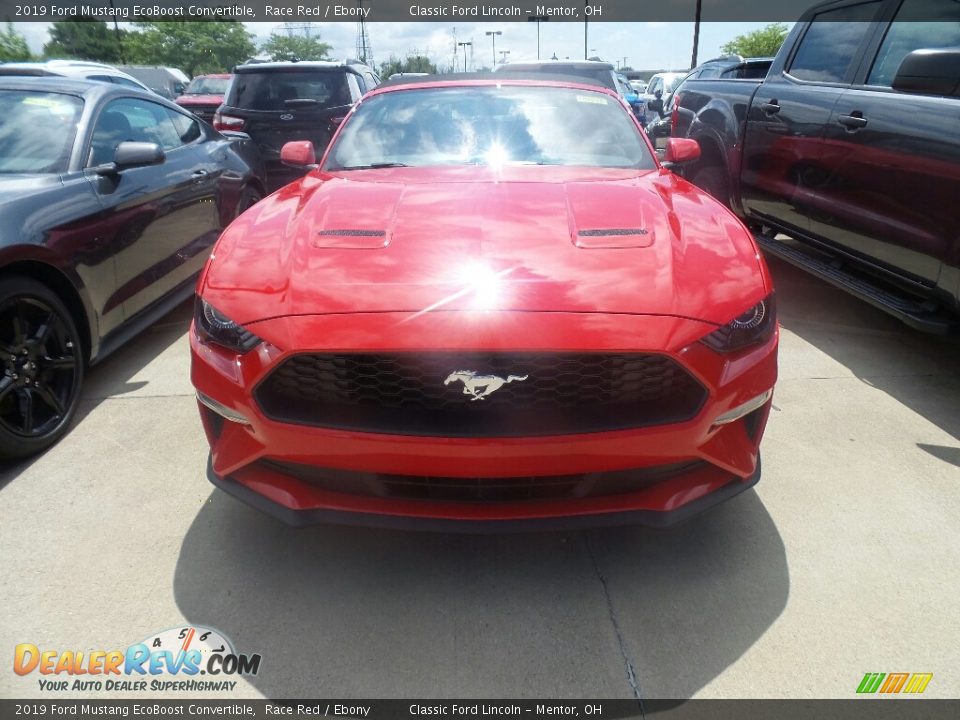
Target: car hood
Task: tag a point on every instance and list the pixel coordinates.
(541, 239)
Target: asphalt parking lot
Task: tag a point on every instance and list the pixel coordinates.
(844, 560)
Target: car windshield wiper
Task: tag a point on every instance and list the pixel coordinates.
(374, 166)
(301, 101)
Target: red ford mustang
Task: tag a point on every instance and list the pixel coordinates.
(488, 305)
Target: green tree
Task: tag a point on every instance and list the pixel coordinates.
(411, 63)
(83, 39)
(194, 47)
(13, 46)
(296, 47)
(759, 43)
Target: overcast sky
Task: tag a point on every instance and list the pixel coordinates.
(646, 45)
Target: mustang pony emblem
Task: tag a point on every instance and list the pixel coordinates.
(479, 386)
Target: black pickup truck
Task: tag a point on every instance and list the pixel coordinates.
(850, 147)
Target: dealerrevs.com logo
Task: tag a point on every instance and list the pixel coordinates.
(179, 659)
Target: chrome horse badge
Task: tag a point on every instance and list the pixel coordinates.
(479, 386)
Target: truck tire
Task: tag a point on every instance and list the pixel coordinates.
(713, 179)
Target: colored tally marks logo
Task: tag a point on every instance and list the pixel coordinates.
(892, 683)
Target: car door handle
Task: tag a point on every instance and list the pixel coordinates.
(853, 121)
(199, 176)
(770, 108)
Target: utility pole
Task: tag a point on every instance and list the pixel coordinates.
(538, 19)
(493, 36)
(116, 34)
(696, 35)
(363, 39)
(464, 46)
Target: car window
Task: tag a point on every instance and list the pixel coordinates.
(490, 126)
(295, 89)
(132, 119)
(187, 128)
(207, 86)
(831, 42)
(37, 131)
(674, 82)
(370, 80)
(100, 78)
(126, 83)
(907, 34)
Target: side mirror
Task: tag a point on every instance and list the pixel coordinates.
(130, 155)
(656, 106)
(680, 150)
(930, 72)
(299, 153)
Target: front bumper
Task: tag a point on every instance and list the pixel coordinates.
(305, 517)
(721, 460)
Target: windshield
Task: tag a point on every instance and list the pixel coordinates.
(207, 86)
(290, 89)
(37, 131)
(672, 83)
(487, 125)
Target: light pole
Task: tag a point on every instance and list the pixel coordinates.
(503, 56)
(493, 36)
(538, 19)
(464, 45)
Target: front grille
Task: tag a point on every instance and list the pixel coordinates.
(420, 394)
(475, 489)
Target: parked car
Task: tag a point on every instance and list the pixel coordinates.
(110, 199)
(629, 94)
(730, 67)
(205, 94)
(659, 90)
(853, 152)
(602, 72)
(73, 69)
(275, 102)
(166, 82)
(488, 303)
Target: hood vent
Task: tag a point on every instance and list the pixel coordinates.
(595, 238)
(352, 239)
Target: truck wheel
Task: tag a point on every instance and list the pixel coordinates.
(713, 179)
(41, 367)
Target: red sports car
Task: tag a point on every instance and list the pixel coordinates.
(488, 305)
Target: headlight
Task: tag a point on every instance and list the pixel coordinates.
(216, 327)
(754, 327)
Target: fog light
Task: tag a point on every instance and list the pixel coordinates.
(745, 409)
(221, 410)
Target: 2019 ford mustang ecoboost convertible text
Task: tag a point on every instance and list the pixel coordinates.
(488, 304)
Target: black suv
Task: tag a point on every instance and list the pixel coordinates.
(276, 102)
